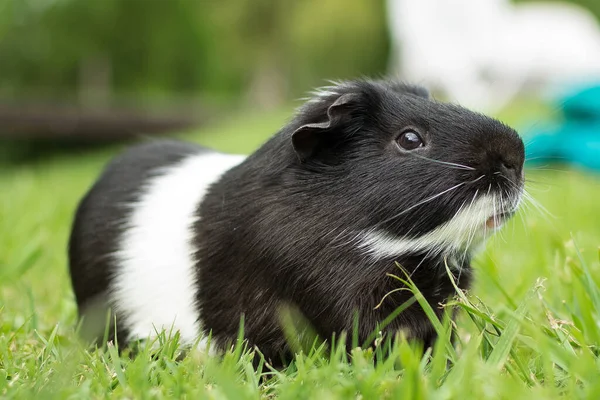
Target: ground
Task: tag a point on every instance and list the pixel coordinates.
(530, 327)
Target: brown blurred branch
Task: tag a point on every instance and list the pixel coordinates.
(46, 121)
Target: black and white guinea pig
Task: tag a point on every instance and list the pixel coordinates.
(367, 175)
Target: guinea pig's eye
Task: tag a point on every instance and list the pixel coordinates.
(410, 140)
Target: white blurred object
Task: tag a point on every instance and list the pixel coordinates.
(482, 52)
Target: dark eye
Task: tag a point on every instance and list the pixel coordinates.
(410, 140)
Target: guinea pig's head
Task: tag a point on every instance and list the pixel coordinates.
(405, 172)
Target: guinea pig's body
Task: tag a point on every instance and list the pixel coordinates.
(132, 246)
(367, 176)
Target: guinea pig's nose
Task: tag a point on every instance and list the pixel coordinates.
(507, 168)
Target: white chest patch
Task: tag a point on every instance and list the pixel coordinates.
(465, 230)
(155, 287)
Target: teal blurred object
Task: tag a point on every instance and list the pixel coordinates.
(574, 141)
(583, 105)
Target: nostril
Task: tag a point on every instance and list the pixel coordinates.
(507, 165)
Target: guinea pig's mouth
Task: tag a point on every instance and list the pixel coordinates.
(497, 220)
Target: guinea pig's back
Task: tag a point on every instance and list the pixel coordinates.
(131, 243)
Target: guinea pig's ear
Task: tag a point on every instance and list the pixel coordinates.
(306, 138)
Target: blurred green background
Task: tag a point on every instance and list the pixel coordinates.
(238, 52)
(150, 50)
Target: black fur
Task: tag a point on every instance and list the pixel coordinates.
(276, 230)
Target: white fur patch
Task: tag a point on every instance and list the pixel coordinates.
(155, 285)
(466, 229)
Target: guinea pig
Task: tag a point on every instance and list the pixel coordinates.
(366, 177)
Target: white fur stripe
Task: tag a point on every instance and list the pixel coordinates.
(466, 229)
(155, 286)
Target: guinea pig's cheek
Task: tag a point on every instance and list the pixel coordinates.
(465, 231)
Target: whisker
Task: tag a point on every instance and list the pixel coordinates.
(543, 168)
(421, 262)
(541, 209)
(485, 231)
(427, 200)
(495, 215)
(502, 202)
(472, 230)
(513, 226)
(467, 210)
(537, 182)
(522, 217)
(534, 186)
(449, 164)
(474, 227)
(531, 201)
(529, 159)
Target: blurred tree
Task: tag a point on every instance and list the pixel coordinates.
(264, 51)
(130, 46)
(270, 49)
(338, 39)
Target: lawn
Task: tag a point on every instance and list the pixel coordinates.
(529, 328)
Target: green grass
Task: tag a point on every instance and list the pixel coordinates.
(530, 327)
